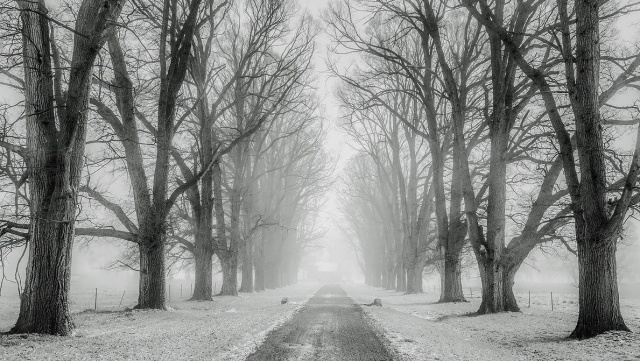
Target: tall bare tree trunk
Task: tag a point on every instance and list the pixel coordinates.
(414, 277)
(499, 292)
(54, 159)
(203, 255)
(152, 284)
(226, 248)
(152, 263)
(455, 240)
(229, 265)
(229, 260)
(376, 276)
(599, 309)
(510, 301)
(401, 272)
(202, 206)
(596, 232)
(448, 243)
(44, 306)
(452, 280)
(493, 295)
(273, 272)
(259, 263)
(247, 284)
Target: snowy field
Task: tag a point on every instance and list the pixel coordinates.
(420, 329)
(228, 328)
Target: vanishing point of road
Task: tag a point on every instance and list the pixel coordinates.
(329, 327)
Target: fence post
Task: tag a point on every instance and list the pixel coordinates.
(551, 301)
(122, 298)
(95, 301)
(529, 299)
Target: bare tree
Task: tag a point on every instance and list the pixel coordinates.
(419, 62)
(54, 154)
(252, 84)
(176, 26)
(400, 158)
(597, 223)
(290, 178)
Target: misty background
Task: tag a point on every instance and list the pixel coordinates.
(548, 268)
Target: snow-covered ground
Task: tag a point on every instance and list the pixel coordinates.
(228, 328)
(418, 328)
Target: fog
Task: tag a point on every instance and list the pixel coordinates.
(95, 260)
(478, 152)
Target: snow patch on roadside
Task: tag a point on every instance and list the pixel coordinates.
(400, 347)
(419, 328)
(240, 352)
(194, 331)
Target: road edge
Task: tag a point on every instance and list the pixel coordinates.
(381, 333)
(243, 351)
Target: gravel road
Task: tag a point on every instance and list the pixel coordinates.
(329, 327)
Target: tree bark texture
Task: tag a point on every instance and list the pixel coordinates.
(247, 283)
(54, 160)
(152, 284)
(414, 278)
(510, 301)
(599, 304)
(595, 227)
(202, 290)
(452, 280)
(229, 275)
(259, 263)
(226, 250)
(493, 295)
(455, 240)
(203, 210)
(448, 244)
(598, 290)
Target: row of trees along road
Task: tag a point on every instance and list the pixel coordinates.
(468, 117)
(202, 110)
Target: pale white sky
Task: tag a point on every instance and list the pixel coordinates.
(336, 141)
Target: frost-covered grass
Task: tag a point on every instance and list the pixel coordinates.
(418, 328)
(227, 328)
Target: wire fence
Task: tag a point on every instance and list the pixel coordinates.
(102, 299)
(116, 299)
(526, 299)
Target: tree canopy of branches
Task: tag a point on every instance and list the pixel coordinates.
(201, 91)
(505, 92)
(53, 153)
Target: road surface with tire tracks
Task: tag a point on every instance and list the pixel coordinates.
(329, 327)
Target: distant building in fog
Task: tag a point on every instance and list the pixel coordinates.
(324, 271)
